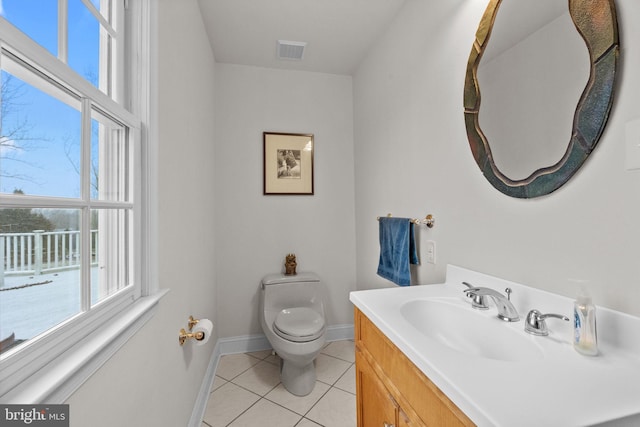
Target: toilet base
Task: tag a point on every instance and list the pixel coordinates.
(298, 380)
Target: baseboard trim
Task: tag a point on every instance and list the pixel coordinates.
(245, 344)
(340, 332)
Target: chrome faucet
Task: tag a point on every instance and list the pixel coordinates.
(535, 323)
(506, 310)
(479, 302)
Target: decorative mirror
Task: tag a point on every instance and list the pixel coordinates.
(520, 145)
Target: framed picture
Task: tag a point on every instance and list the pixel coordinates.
(288, 163)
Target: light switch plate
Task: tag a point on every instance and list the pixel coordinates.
(632, 158)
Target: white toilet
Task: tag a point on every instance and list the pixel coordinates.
(292, 318)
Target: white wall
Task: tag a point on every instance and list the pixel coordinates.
(152, 380)
(412, 158)
(255, 232)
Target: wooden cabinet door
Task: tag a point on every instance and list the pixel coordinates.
(405, 421)
(376, 407)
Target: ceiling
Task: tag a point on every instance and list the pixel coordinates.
(338, 33)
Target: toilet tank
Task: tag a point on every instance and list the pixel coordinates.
(282, 291)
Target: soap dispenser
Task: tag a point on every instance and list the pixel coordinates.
(585, 339)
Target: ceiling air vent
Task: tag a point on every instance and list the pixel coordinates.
(291, 50)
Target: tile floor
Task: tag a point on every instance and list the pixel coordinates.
(247, 392)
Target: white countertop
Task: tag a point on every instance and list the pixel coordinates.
(563, 388)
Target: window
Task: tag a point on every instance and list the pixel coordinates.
(71, 179)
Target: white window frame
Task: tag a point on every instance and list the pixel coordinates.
(49, 369)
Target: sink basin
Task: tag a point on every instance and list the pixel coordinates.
(456, 325)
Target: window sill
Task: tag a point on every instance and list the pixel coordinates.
(57, 381)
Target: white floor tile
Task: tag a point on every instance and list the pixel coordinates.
(347, 381)
(329, 369)
(226, 403)
(260, 379)
(217, 383)
(337, 408)
(232, 365)
(344, 350)
(298, 404)
(265, 413)
(307, 423)
(262, 354)
(275, 359)
(242, 378)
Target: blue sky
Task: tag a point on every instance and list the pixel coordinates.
(49, 158)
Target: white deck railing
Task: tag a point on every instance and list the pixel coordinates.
(41, 252)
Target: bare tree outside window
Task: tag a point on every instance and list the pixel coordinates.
(15, 130)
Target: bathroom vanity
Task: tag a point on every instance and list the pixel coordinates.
(391, 390)
(425, 357)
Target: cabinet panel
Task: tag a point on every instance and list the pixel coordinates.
(376, 406)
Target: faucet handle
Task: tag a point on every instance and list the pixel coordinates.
(479, 302)
(535, 323)
(508, 292)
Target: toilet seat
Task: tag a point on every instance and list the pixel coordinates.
(299, 324)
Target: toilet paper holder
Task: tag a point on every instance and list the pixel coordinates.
(197, 335)
(192, 322)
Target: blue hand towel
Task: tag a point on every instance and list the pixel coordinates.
(397, 250)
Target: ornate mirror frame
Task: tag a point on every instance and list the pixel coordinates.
(596, 22)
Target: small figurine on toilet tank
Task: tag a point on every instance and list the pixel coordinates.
(290, 265)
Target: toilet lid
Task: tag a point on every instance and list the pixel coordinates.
(299, 324)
